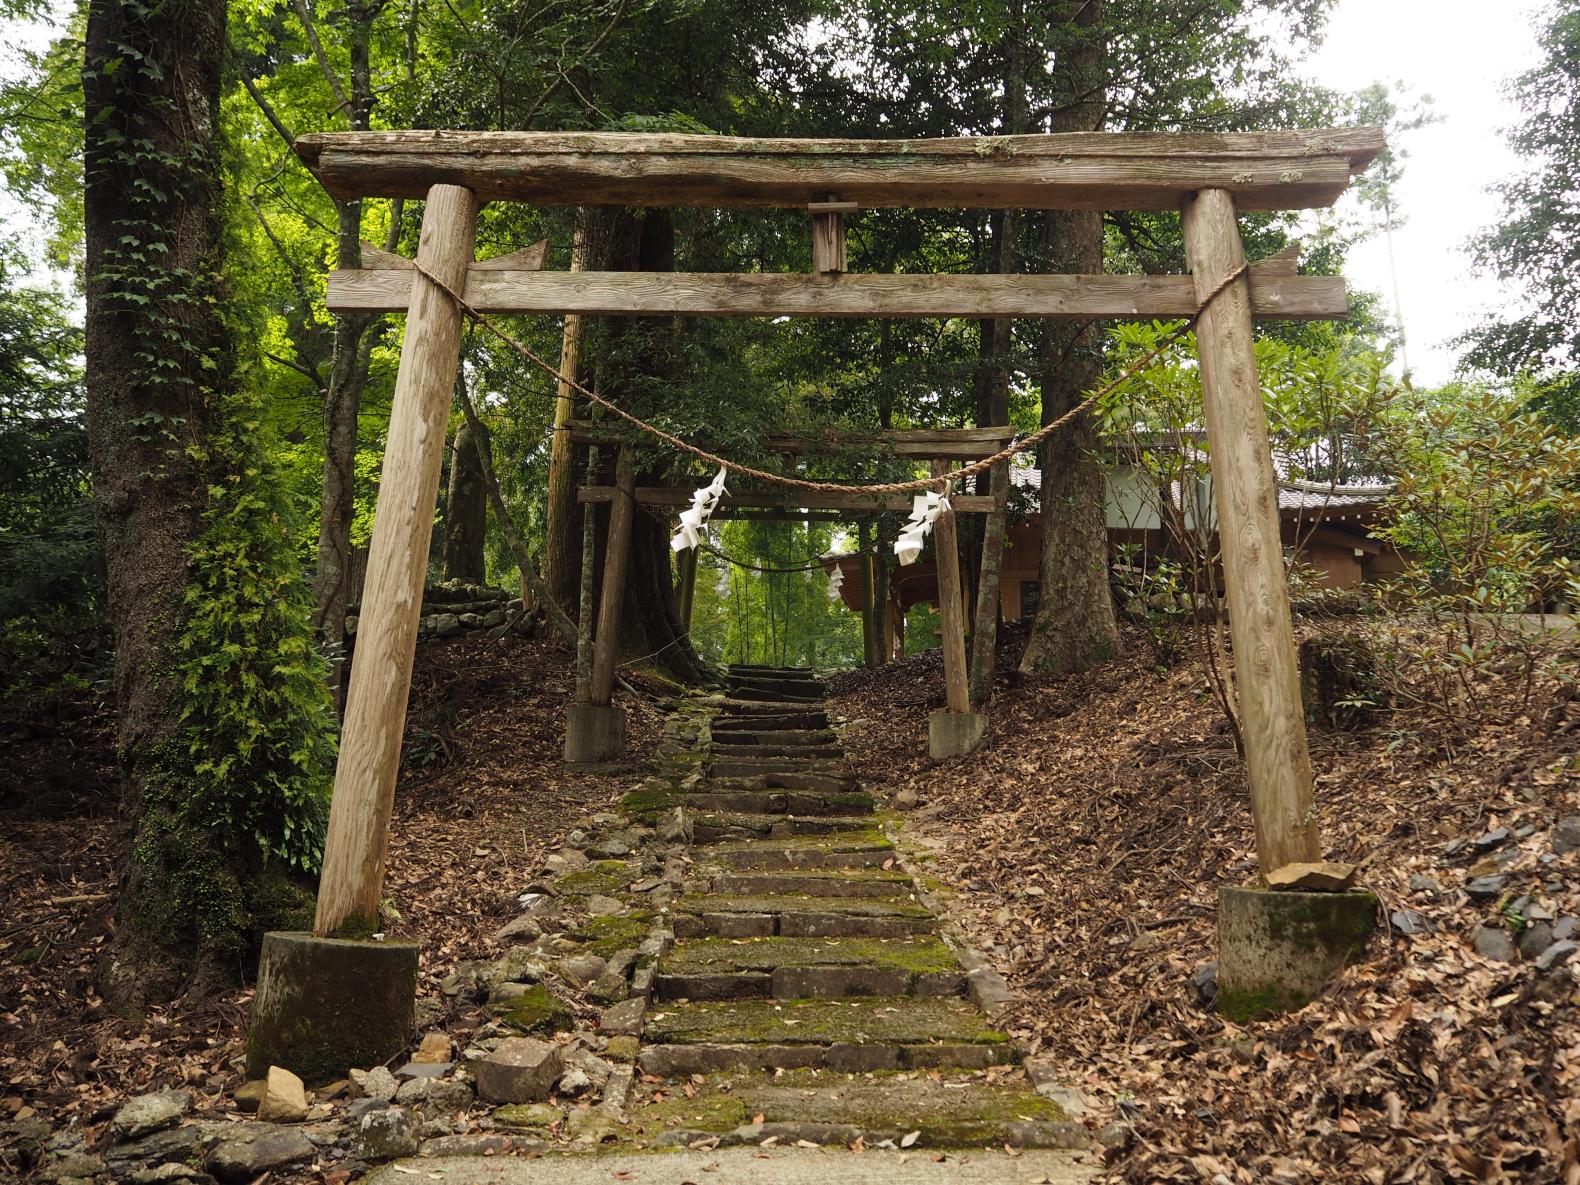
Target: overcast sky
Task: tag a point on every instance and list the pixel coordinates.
(1455, 51)
(1460, 54)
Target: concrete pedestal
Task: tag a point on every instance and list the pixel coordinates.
(594, 733)
(328, 1005)
(954, 734)
(1277, 950)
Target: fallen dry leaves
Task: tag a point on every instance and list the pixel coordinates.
(1087, 842)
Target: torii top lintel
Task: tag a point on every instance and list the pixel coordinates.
(1283, 170)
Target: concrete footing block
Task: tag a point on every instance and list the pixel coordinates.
(954, 734)
(1277, 950)
(594, 733)
(327, 1005)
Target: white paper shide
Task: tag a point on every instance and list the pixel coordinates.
(692, 520)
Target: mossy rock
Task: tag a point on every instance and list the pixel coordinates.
(609, 936)
(1277, 950)
(538, 1011)
(648, 803)
(622, 1049)
(606, 876)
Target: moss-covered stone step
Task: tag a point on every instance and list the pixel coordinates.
(789, 690)
(882, 1033)
(813, 721)
(959, 1110)
(798, 916)
(808, 968)
(864, 849)
(782, 802)
(722, 747)
(820, 883)
(793, 738)
(782, 779)
(751, 767)
(735, 709)
(712, 826)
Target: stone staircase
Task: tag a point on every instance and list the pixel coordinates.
(809, 995)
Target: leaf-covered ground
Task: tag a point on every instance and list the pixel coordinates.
(482, 797)
(1088, 840)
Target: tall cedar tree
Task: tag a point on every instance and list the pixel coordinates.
(223, 751)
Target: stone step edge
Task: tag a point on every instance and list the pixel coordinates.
(668, 1061)
(1017, 1133)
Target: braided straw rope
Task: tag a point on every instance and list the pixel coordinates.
(939, 481)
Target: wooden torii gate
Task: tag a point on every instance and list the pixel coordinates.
(1206, 177)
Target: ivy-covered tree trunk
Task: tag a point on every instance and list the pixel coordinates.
(1074, 627)
(465, 511)
(221, 704)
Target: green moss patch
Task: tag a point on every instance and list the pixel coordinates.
(647, 803)
(538, 1010)
(877, 1020)
(606, 876)
(864, 907)
(701, 956)
(954, 1111)
(609, 936)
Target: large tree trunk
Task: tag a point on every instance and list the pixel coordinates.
(160, 365)
(628, 357)
(1074, 628)
(465, 511)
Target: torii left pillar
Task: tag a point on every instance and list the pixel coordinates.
(339, 998)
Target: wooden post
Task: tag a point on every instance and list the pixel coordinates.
(828, 235)
(616, 557)
(951, 614)
(688, 585)
(984, 635)
(588, 596)
(357, 841)
(1272, 721)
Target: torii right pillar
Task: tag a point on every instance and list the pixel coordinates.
(1276, 950)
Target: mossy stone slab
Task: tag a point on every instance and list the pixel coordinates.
(899, 1020)
(701, 956)
(781, 903)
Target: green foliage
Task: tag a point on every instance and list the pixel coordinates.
(1534, 245)
(779, 618)
(51, 580)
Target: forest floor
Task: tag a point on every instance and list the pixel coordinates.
(1088, 839)
(483, 795)
(1084, 843)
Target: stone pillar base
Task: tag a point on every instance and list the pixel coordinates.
(954, 734)
(594, 733)
(327, 1005)
(1277, 950)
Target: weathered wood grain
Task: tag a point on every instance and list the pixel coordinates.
(370, 744)
(1274, 295)
(1123, 171)
(1245, 490)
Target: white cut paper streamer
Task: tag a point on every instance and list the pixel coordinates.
(925, 509)
(836, 581)
(703, 504)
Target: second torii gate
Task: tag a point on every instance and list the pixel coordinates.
(1206, 177)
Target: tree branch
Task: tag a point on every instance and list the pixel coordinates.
(483, 442)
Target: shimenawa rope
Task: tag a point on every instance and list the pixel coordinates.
(942, 480)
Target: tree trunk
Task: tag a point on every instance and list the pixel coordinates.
(465, 511)
(562, 546)
(1074, 628)
(348, 378)
(629, 356)
(161, 374)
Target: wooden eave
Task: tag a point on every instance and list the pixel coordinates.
(1282, 170)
